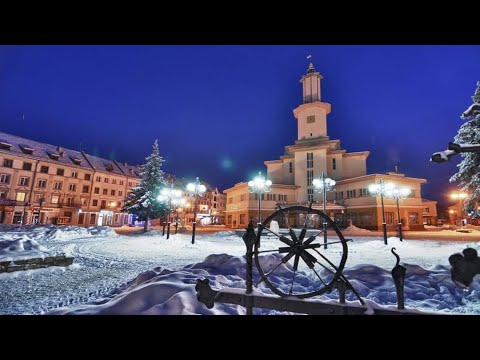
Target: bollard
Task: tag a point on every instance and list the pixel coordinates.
(249, 238)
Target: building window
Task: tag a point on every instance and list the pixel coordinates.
(42, 183)
(282, 197)
(310, 194)
(55, 199)
(334, 164)
(114, 181)
(121, 182)
(112, 192)
(60, 172)
(70, 200)
(105, 180)
(413, 218)
(130, 183)
(85, 188)
(230, 200)
(105, 191)
(24, 181)
(44, 169)
(339, 195)
(310, 119)
(57, 185)
(74, 174)
(309, 177)
(427, 210)
(8, 163)
(4, 178)
(98, 179)
(88, 176)
(309, 160)
(243, 219)
(3, 195)
(229, 220)
(92, 219)
(81, 218)
(17, 217)
(120, 192)
(96, 190)
(389, 217)
(94, 202)
(290, 167)
(20, 196)
(103, 204)
(363, 192)
(117, 218)
(27, 166)
(119, 203)
(84, 201)
(72, 187)
(351, 193)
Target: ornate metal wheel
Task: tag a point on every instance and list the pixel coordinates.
(289, 248)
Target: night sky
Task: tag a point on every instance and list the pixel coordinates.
(220, 111)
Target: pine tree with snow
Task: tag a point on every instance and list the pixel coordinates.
(468, 174)
(143, 199)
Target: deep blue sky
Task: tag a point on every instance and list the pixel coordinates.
(220, 111)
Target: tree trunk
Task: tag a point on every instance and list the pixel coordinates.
(145, 224)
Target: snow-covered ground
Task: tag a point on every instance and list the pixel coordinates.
(104, 267)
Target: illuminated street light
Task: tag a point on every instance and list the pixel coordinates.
(461, 198)
(259, 185)
(379, 190)
(195, 189)
(167, 196)
(178, 201)
(393, 192)
(322, 185)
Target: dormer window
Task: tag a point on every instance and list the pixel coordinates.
(26, 149)
(54, 156)
(4, 145)
(109, 167)
(76, 161)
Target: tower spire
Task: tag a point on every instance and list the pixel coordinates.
(311, 85)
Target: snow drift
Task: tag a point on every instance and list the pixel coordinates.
(164, 291)
(21, 249)
(53, 232)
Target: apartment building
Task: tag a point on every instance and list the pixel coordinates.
(48, 184)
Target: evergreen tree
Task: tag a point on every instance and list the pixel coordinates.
(143, 199)
(468, 174)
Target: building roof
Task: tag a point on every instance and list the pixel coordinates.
(16, 145)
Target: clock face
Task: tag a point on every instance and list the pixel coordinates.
(310, 119)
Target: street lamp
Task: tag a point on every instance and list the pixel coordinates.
(461, 198)
(259, 186)
(393, 192)
(195, 189)
(322, 185)
(168, 196)
(180, 201)
(376, 190)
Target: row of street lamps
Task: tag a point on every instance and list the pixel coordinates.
(174, 197)
(259, 185)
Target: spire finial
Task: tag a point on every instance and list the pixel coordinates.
(311, 68)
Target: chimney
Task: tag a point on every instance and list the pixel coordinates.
(60, 151)
(396, 169)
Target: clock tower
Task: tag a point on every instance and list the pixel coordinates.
(312, 114)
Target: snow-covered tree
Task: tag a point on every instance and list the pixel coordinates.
(143, 200)
(468, 174)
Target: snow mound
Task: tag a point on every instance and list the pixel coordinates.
(53, 232)
(353, 230)
(164, 291)
(224, 233)
(21, 249)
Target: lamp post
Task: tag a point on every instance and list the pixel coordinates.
(169, 196)
(394, 192)
(179, 201)
(461, 198)
(259, 185)
(379, 190)
(322, 185)
(40, 203)
(195, 189)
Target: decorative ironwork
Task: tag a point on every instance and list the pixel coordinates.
(398, 275)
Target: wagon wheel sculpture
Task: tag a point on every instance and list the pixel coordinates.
(297, 245)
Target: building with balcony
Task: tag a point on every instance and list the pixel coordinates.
(313, 153)
(47, 184)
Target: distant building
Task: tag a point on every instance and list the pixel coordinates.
(48, 184)
(313, 153)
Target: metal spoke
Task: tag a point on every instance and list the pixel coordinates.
(309, 259)
(295, 267)
(283, 261)
(330, 243)
(323, 282)
(313, 237)
(293, 235)
(282, 238)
